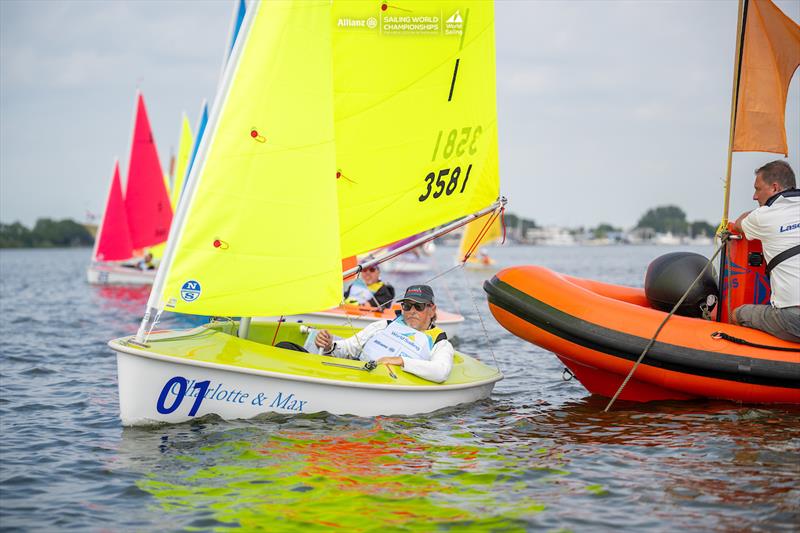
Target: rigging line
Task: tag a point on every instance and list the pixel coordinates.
(446, 285)
(349, 320)
(480, 318)
(152, 326)
(453, 82)
(484, 231)
(439, 275)
(663, 322)
(280, 321)
(724, 336)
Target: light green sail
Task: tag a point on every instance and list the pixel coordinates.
(259, 234)
(185, 144)
(416, 135)
(341, 127)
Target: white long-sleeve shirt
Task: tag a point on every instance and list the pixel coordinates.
(437, 369)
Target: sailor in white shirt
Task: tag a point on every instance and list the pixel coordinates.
(776, 223)
(412, 341)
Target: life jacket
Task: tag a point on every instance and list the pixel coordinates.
(399, 339)
(361, 293)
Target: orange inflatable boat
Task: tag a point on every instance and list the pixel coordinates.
(599, 330)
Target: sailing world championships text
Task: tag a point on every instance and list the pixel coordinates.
(419, 23)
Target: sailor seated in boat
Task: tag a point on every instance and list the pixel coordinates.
(146, 263)
(428, 355)
(776, 222)
(368, 289)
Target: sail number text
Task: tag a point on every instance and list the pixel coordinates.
(445, 181)
(457, 142)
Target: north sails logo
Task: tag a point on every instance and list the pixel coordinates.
(190, 291)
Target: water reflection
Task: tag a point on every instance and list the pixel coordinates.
(329, 471)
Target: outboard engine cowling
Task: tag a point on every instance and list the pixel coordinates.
(670, 275)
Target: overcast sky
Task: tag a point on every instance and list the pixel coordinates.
(605, 108)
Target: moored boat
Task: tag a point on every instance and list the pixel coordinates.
(599, 330)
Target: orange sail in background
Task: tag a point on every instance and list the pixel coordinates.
(146, 197)
(769, 57)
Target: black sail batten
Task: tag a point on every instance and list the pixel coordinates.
(453, 81)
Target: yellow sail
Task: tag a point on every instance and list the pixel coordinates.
(415, 113)
(259, 231)
(471, 233)
(185, 144)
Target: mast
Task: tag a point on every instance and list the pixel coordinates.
(154, 305)
(737, 68)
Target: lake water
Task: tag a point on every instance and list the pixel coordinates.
(538, 455)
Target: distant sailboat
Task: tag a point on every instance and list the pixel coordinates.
(477, 234)
(137, 222)
(146, 198)
(202, 120)
(113, 245)
(185, 144)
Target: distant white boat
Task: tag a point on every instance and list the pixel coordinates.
(667, 239)
(551, 236)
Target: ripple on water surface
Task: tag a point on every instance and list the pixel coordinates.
(540, 454)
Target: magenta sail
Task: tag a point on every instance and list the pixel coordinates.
(146, 197)
(114, 237)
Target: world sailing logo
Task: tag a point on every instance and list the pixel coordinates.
(454, 25)
(190, 291)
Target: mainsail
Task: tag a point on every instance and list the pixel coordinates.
(416, 117)
(400, 128)
(113, 241)
(258, 231)
(146, 198)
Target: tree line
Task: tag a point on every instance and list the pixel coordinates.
(672, 219)
(46, 233)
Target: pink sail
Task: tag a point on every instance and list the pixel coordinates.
(113, 242)
(146, 198)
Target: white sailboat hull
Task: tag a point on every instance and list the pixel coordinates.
(114, 274)
(150, 392)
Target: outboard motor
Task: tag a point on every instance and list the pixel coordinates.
(670, 275)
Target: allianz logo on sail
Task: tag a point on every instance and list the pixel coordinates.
(370, 23)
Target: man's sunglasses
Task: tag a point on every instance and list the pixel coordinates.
(408, 305)
(371, 269)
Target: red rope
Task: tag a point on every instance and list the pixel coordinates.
(280, 321)
(483, 232)
(503, 222)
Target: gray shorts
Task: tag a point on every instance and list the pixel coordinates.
(783, 323)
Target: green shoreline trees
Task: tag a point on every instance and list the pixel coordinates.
(46, 233)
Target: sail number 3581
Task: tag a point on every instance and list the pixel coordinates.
(458, 142)
(446, 182)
